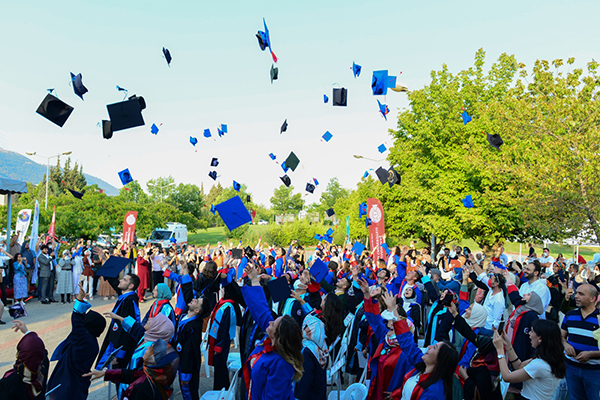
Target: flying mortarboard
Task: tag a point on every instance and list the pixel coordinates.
(393, 177)
(368, 222)
(223, 128)
(284, 167)
(76, 194)
(274, 73)
(340, 97)
(248, 198)
(54, 110)
(279, 289)
(212, 209)
(233, 213)
(330, 212)
(78, 88)
(327, 136)
(286, 180)
(126, 114)
(273, 156)
(362, 209)
(207, 133)
(213, 175)
(319, 237)
(383, 109)
(358, 248)
(310, 188)
(329, 231)
(379, 83)
(316, 181)
(319, 270)
(214, 162)
(283, 127)
(193, 141)
(356, 69)
(154, 129)
(107, 131)
(382, 148)
(113, 267)
(125, 176)
(466, 117)
(366, 174)
(237, 254)
(167, 55)
(495, 140)
(292, 161)
(382, 174)
(328, 239)
(468, 201)
(236, 186)
(325, 99)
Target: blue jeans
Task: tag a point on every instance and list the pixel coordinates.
(583, 383)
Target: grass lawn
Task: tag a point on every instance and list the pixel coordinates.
(217, 234)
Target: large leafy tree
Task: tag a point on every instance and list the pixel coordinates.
(161, 188)
(284, 202)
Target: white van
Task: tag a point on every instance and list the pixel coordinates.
(174, 234)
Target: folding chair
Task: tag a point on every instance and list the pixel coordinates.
(223, 394)
(204, 350)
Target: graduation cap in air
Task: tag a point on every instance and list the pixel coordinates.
(233, 213)
(237, 254)
(207, 133)
(273, 156)
(126, 114)
(468, 201)
(319, 270)
(366, 174)
(264, 40)
(292, 161)
(213, 175)
(330, 212)
(368, 222)
(236, 186)
(193, 141)
(319, 237)
(107, 131)
(362, 209)
(325, 99)
(283, 127)
(340, 97)
(286, 180)
(381, 82)
(54, 110)
(393, 177)
(327, 136)
(113, 267)
(383, 109)
(495, 140)
(167, 55)
(358, 248)
(329, 232)
(279, 289)
(381, 148)
(248, 199)
(154, 129)
(274, 73)
(382, 174)
(223, 130)
(284, 167)
(356, 69)
(76, 194)
(212, 209)
(466, 117)
(310, 188)
(214, 162)
(77, 82)
(328, 239)
(125, 176)
(316, 181)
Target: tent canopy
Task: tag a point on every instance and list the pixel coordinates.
(10, 186)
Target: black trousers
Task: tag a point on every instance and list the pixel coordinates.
(157, 277)
(95, 283)
(221, 380)
(3, 288)
(45, 288)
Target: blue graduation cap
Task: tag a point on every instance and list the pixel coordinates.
(368, 222)
(329, 232)
(212, 209)
(356, 69)
(125, 176)
(466, 117)
(319, 270)
(154, 129)
(193, 141)
(264, 40)
(173, 240)
(366, 174)
(468, 201)
(379, 82)
(319, 237)
(213, 175)
(224, 128)
(236, 186)
(316, 181)
(78, 88)
(279, 289)
(327, 136)
(328, 239)
(285, 168)
(382, 148)
(273, 156)
(207, 133)
(113, 267)
(358, 248)
(214, 162)
(362, 209)
(233, 213)
(383, 109)
(325, 99)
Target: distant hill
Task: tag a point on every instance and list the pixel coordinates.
(15, 166)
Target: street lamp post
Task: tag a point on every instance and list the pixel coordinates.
(161, 188)
(48, 168)
(367, 158)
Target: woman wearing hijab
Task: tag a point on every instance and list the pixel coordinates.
(27, 379)
(162, 305)
(154, 381)
(520, 321)
(65, 277)
(88, 274)
(76, 354)
(19, 278)
(313, 384)
(410, 304)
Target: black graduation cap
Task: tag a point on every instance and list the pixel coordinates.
(213, 174)
(279, 289)
(113, 267)
(167, 55)
(310, 188)
(214, 162)
(54, 110)
(382, 174)
(286, 180)
(238, 254)
(340, 97)
(107, 131)
(368, 222)
(126, 114)
(248, 199)
(283, 127)
(292, 161)
(393, 177)
(77, 195)
(495, 140)
(330, 212)
(274, 73)
(78, 88)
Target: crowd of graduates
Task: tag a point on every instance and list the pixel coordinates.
(410, 325)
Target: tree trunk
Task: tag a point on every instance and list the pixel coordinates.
(489, 251)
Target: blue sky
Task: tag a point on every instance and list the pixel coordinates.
(219, 75)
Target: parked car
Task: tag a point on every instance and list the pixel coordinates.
(103, 241)
(174, 234)
(262, 222)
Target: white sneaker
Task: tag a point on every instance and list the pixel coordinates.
(91, 298)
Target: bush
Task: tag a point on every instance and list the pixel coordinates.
(302, 230)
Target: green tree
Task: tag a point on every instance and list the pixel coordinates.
(161, 188)
(332, 193)
(283, 201)
(187, 198)
(133, 193)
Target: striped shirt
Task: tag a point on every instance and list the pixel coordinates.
(581, 336)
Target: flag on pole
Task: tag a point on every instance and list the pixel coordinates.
(35, 224)
(52, 228)
(23, 221)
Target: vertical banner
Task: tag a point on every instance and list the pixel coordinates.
(129, 227)
(35, 225)
(377, 228)
(52, 228)
(23, 220)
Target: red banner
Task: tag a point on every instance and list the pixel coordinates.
(129, 227)
(377, 228)
(52, 228)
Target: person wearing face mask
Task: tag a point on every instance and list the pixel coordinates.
(65, 277)
(546, 260)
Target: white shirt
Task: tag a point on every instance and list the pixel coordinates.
(157, 262)
(409, 387)
(493, 304)
(543, 384)
(541, 289)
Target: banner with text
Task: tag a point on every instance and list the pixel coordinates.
(129, 227)
(377, 228)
